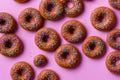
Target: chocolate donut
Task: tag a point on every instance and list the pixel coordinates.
(51, 9)
(7, 23)
(47, 39)
(73, 31)
(93, 47)
(103, 19)
(10, 45)
(47, 74)
(67, 56)
(111, 62)
(73, 11)
(115, 4)
(112, 39)
(22, 71)
(30, 19)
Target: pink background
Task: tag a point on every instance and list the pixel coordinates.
(89, 69)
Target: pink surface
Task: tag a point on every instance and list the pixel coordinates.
(89, 69)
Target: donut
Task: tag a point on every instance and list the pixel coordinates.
(10, 45)
(112, 39)
(47, 39)
(103, 19)
(21, 71)
(21, 1)
(40, 60)
(73, 31)
(93, 47)
(67, 56)
(51, 9)
(7, 23)
(30, 19)
(115, 4)
(47, 74)
(73, 11)
(111, 62)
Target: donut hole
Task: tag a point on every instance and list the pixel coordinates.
(2, 21)
(8, 44)
(64, 55)
(45, 38)
(92, 46)
(47, 77)
(117, 39)
(50, 7)
(115, 60)
(69, 4)
(28, 17)
(71, 30)
(20, 72)
(100, 17)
